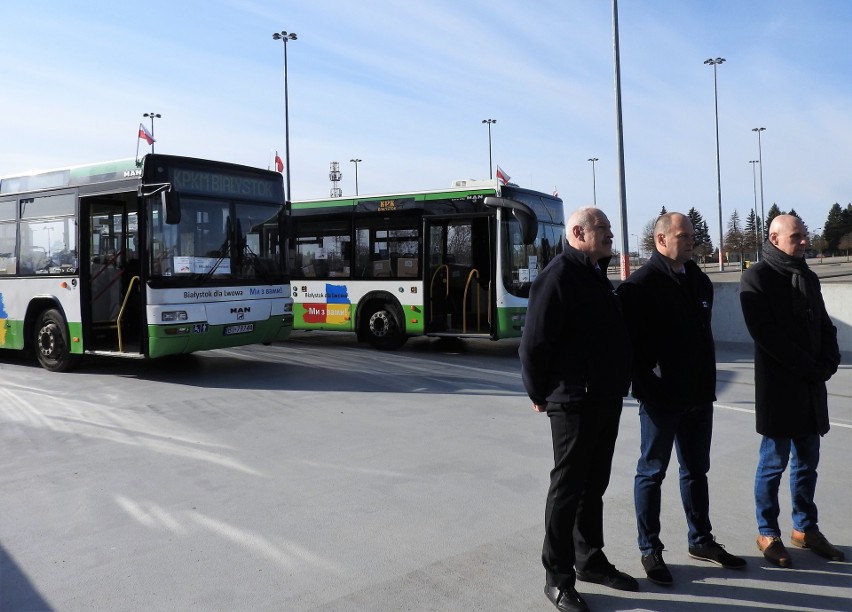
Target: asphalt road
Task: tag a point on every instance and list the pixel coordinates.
(318, 474)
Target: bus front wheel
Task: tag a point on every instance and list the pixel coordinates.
(381, 327)
(51, 342)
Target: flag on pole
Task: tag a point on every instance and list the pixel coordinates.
(555, 192)
(279, 165)
(145, 135)
(502, 176)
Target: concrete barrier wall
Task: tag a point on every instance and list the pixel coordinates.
(729, 326)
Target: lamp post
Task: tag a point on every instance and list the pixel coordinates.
(594, 183)
(619, 158)
(714, 63)
(758, 230)
(490, 167)
(760, 161)
(356, 161)
(152, 115)
(284, 37)
(638, 248)
(818, 243)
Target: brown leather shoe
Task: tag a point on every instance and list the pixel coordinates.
(815, 541)
(773, 550)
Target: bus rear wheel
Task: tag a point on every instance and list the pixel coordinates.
(381, 327)
(52, 347)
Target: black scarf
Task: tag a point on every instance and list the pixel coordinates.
(805, 286)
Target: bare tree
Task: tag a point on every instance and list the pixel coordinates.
(649, 246)
(734, 238)
(845, 243)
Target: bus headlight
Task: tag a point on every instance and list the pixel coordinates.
(170, 316)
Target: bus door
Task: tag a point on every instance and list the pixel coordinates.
(110, 274)
(459, 285)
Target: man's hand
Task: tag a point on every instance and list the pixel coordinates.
(539, 407)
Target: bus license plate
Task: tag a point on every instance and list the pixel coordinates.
(230, 330)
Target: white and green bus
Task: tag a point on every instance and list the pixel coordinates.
(455, 262)
(169, 256)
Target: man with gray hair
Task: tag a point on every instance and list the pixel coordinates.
(575, 362)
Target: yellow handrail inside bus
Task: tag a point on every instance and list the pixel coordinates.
(133, 280)
(464, 302)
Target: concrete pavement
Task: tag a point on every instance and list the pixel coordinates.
(320, 475)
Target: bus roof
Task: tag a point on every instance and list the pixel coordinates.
(87, 174)
(455, 191)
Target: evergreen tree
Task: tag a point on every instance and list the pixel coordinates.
(708, 241)
(794, 213)
(697, 220)
(834, 227)
(662, 212)
(702, 238)
(750, 232)
(774, 211)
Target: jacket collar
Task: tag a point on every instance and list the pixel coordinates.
(580, 257)
(660, 263)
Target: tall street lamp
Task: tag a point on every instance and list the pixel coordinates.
(356, 161)
(714, 63)
(152, 115)
(758, 230)
(594, 182)
(619, 158)
(284, 37)
(490, 167)
(760, 161)
(818, 243)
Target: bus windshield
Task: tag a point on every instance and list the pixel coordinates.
(217, 239)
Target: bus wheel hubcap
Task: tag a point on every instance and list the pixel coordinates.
(47, 340)
(380, 324)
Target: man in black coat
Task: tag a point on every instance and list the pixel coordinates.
(796, 352)
(575, 360)
(668, 304)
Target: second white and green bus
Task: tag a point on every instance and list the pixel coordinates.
(169, 256)
(454, 262)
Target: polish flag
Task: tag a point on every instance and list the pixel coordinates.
(502, 176)
(555, 192)
(145, 134)
(279, 165)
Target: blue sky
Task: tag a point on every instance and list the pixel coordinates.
(404, 86)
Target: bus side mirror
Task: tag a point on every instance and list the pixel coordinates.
(528, 223)
(523, 213)
(171, 206)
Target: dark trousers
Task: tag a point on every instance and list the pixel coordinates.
(584, 436)
(689, 430)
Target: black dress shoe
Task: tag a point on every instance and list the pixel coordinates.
(567, 599)
(611, 578)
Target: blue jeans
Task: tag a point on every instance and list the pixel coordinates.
(774, 454)
(690, 431)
